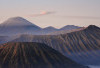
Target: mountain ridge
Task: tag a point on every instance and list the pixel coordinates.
(69, 27)
(80, 43)
(19, 25)
(17, 21)
(33, 55)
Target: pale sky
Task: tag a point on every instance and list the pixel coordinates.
(55, 13)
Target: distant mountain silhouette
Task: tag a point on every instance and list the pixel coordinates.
(49, 30)
(65, 31)
(69, 27)
(17, 21)
(18, 25)
(33, 55)
(79, 45)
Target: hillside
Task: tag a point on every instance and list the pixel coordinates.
(33, 55)
(79, 45)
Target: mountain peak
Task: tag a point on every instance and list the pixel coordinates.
(16, 21)
(93, 27)
(16, 18)
(50, 27)
(17, 26)
(69, 27)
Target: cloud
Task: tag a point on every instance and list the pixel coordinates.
(42, 13)
(81, 17)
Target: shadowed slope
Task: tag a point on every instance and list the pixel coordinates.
(80, 45)
(33, 55)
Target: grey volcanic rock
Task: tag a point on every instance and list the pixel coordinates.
(33, 55)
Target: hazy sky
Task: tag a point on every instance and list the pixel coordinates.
(55, 13)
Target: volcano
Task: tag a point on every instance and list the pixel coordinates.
(17, 26)
(79, 45)
(33, 55)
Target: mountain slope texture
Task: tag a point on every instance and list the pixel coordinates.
(79, 46)
(33, 55)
